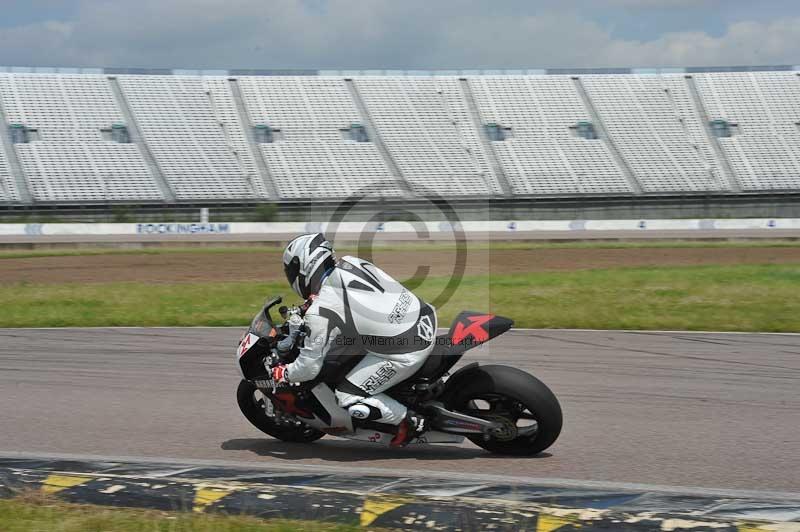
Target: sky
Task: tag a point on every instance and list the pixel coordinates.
(398, 34)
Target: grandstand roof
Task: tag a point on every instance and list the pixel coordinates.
(387, 72)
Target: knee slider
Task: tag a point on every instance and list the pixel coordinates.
(365, 412)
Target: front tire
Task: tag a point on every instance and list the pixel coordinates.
(251, 403)
(512, 397)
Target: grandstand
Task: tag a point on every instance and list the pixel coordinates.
(309, 152)
(94, 136)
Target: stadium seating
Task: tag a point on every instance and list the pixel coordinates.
(177, 119)
(112, 135)
(764, 151)
(311, 155)
(227, 116)
(8, 189)
(425, 125)
(542, 156)
(71, 161)
(657, 131)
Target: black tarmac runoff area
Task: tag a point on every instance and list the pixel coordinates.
(709, 410)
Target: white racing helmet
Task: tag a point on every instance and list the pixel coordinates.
(305, 261)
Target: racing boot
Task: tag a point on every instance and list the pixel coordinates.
(411, 427)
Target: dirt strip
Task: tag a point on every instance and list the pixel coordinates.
(265, 266)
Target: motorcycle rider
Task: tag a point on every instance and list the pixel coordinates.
(355, 306)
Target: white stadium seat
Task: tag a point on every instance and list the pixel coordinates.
(71, 161)
(226, 115)
(765, 106)
(541, 156)
(181, 122)
(199, 137)
(657, 131)
(426, 127)
(312, 157)
(8, 188)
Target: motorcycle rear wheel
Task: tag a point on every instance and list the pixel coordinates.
(251, 403)
(528, 409)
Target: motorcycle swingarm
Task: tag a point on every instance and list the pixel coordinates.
(384, 438)
(449, 421)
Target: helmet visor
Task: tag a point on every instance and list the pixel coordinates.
(292, 270)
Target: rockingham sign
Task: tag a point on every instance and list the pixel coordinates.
(182, 228)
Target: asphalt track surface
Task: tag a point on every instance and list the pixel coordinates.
(684, 409)
(523, 236)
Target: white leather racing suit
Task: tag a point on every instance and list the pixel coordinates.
(361, 309)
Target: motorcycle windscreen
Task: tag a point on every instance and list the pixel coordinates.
(262, 326)
(255, 345)
(471, 329)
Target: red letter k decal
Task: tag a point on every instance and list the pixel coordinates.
(474, 329)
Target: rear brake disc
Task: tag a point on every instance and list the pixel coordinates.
(507, 430)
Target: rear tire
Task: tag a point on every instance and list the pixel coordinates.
(251, 405)
(506, 385)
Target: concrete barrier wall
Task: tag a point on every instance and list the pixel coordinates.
(496, 226)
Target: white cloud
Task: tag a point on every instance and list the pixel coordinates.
(377, 34)
(744, 43)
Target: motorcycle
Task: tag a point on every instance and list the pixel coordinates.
(501, 409)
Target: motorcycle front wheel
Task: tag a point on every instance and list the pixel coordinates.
(527, 411)
(252, 401)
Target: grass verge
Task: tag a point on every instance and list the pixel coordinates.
(725, 298)
(33, 513)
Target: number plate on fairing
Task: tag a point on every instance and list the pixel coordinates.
(247, 341)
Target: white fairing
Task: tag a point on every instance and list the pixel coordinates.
(434, 436)
(340, 418)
